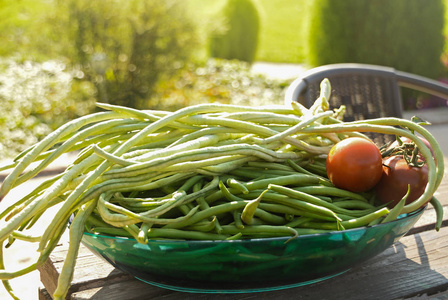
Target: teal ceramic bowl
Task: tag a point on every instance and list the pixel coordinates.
(253, 265)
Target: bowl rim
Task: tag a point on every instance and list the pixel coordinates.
(266, 239)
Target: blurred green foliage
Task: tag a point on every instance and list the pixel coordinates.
(17, 20)
(283, 30)
(125, 47)
(404, 34)
(122, 47)
(57, 57)
(285, 23)
(282, 26)
(218, 80)
(60, 57)
(36, 98)
(238, 38)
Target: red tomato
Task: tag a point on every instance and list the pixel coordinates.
(397, 175)
(354, 164)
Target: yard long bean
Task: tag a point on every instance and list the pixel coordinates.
(209, 171)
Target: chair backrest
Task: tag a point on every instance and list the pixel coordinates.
(367, 91)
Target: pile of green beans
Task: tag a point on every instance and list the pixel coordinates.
(205, 172)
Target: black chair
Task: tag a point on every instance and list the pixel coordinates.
(367, 91)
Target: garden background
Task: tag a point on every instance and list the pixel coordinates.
(59, 57)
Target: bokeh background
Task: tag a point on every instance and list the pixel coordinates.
(59, 57)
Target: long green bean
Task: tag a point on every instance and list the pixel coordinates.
(49, 141)
(76, 232)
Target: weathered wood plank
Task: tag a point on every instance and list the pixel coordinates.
(438, 296)
(416, 265)
(43, 294)
(130, 289)
(90, 272)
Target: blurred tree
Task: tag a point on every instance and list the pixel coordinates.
(404, 34)
(238, 39)
(125, 47)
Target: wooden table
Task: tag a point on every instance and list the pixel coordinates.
(416, 267)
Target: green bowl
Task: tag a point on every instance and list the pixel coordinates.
(254, 265)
